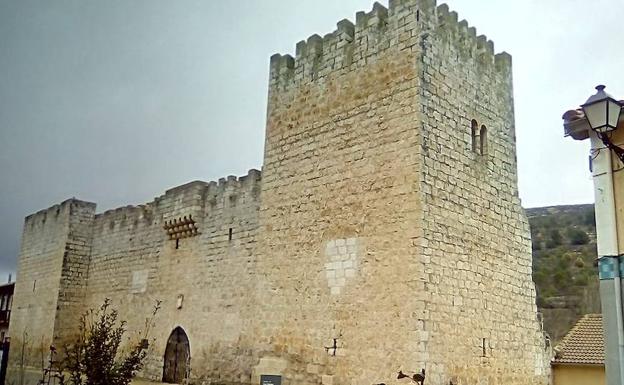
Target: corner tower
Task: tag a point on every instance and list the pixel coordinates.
(392, 236)
(52, 277)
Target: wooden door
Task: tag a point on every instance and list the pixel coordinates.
(177, 356)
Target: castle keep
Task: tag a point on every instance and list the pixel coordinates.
(385, 231)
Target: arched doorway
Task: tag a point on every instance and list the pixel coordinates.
(177, 357)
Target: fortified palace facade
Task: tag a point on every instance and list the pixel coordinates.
(384, 232)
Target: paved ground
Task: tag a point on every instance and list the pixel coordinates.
(31, 377)
(138, 381)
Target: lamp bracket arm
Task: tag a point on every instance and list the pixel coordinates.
(619, 151)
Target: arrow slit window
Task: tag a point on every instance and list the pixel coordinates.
(474, 135)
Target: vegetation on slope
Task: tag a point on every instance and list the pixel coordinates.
(564, 265)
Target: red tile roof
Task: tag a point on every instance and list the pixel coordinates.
(584, 343)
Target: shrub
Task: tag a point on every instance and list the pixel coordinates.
(589, 218)
(577, 236)
(555, 239)
(93, 359)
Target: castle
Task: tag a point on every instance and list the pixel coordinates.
(384, 232)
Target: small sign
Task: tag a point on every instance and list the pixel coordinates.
(270, 380)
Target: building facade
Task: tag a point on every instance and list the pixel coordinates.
(384, 233)
(6, 302)
(580, 357)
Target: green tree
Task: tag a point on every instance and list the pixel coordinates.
(577, 236)
(94, 358)
(589, 218)
(555, 238)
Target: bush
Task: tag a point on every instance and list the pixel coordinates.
(581, 280)
(589, 218)
(555, 239)
(577, 236)
(93, 358)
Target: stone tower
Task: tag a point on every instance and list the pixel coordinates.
(392, 235)
(53, 265)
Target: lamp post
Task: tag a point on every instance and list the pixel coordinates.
(602, 111)
(598, 120)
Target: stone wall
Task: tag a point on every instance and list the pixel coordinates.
(340, 206)
(205, 284)
(51, 277)
(476, 241)
(74, 272)
(134, 263)
(370, 141)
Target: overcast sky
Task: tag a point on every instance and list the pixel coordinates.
(116, 101)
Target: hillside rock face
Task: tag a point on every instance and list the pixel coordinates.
(564, 265)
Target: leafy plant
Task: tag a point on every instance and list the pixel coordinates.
(94, 357)
(589, 217)
(555, 238)
(577, 236)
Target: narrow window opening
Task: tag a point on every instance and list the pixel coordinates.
(483, 140)
(474, 134)
(417, 15)
(230, 233)
(483, 347)
(177, 243)
(34, 285)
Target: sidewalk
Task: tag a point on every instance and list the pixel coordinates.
(139, 381)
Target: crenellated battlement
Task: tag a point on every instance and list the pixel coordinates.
(60, 211)
(401, 26)
(478, 45)
(244, 182)
(189, 198)
(131, 216)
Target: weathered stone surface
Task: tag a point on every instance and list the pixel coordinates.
(386, 232)
(381, 150)
(205, 285)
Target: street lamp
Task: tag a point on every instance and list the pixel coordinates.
(602, 111)
(598, 120)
